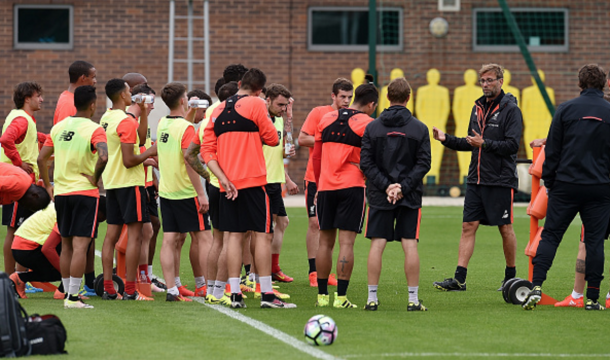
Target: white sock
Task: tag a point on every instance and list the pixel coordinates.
(413, 297)
(608, 296)
(219, 289)
(265, 282)
(177, 281)
(234, 282)
(150, 273)
(74, 285)
(576, 295)
(372, 293)
(199, 282)
(174, 291)
(66, 283)
(252, 276)
(211, 287)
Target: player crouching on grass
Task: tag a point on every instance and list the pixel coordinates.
(184, 205)
(395, 157)
(340, 198)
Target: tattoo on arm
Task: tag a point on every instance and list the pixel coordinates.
(580, 266)
(102, 160)
(192, 152)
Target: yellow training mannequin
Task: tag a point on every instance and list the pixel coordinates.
(357, 79)
(384, 103)
(463, 101)
(536, 116)
(432, 108)
(510, 89)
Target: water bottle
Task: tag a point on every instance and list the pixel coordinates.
(289, 145)
(199, 104)
(141, 98)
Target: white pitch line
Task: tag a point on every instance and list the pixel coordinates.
(277, 334)
(491, 355)
(99, 254)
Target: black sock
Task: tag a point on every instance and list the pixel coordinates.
(268, 296)
(323, 286)
(342, 287)
(592, 293)
(89, 278)
(510, 272)
(460, 274)
(312, 265)
(61, 287)
(73, 297)
(247, 268)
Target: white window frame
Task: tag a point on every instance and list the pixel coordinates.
(515, 48)
(41, 46)
(359, 48)
(444, 7)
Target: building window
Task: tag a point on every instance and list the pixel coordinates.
(43, 27)
(346, 29)
(448, 5)
(543, 29)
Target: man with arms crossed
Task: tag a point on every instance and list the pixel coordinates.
(20, 147)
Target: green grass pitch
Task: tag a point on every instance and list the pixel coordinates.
(475, 323)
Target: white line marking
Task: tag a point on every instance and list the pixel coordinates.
(99, 254)
(491, 355)
(277, 334)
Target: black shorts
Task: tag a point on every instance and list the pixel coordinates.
(182, 216)
(341, 209)
(14, 215)
(251, 210)
(310, 195)
(126, 205)
(151, 202)
(214, 199)
(396, 224)
(274, 191)
(76, 215)
(491, 205)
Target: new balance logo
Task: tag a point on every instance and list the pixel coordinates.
(505, 214)
(148, 134)
(164, 137)
(66, 135)
(105, 126)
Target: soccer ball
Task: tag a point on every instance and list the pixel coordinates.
(320, 330)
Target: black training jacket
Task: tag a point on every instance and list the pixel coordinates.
(500, 126)
(395, 149)
(578, 146)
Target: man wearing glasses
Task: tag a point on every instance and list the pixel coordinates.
(494, 134)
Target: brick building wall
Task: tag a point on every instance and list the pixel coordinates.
(121, 36)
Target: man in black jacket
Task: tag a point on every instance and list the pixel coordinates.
(493, 138)
(395, 157)
(576, 173)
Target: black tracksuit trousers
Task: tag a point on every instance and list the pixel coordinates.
(592, 202)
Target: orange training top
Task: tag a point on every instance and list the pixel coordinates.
(65, 107)
(309, 127)
(235, 136)
(337, 150)
(14, 182)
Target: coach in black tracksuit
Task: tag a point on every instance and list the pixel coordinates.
(576, 173)
(493, 137)
(395, 157)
